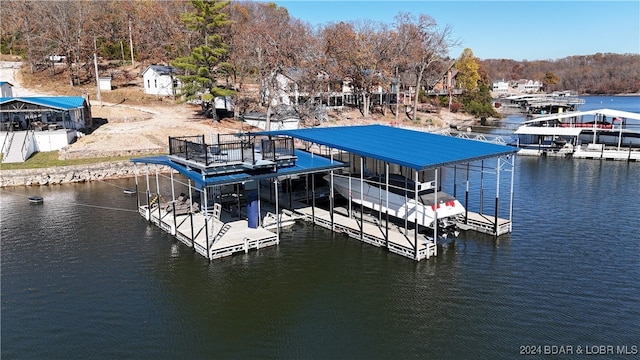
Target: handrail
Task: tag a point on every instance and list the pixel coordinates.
(24, 148)
(7, 145)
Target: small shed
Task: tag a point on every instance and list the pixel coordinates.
(105, 83)
(6, 89)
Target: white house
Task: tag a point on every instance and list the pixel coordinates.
(161, 80)
(6, 89)
(500, 87)
(528, 86)
(285, 89)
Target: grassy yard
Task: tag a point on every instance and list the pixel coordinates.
(50, 159)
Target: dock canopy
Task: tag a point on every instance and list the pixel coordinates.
(306, 163)
(414, 149)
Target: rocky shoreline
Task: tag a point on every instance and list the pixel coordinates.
(73, 174)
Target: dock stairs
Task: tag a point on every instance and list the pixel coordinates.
(221, 233)
(217, 210)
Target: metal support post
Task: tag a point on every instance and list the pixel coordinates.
(277, 214)
(495, 224)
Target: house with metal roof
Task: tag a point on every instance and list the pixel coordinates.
(40, 123)
(161, 80)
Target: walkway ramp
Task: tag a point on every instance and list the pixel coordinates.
(15, 154)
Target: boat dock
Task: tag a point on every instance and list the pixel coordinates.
(241, 190)
(215, 238)
(483, 223)
(601, 134)
(370, 230)
(209, 236)
(532, 104)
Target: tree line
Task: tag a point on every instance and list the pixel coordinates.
(586, 74)
(221, 47)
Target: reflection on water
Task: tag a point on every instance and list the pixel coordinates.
(84, 276)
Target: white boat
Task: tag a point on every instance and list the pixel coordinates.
(614, 134)
(400, 201)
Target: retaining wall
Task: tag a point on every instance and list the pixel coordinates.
(74, 174)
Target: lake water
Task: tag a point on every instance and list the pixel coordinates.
(84, 276)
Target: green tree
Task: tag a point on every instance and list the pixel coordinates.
(550, 79)
(468, 75)
(474, 79)
(478, 102)
(206, 60)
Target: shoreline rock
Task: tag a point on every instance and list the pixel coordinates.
(73, 174)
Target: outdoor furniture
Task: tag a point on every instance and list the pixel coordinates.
(37, 125)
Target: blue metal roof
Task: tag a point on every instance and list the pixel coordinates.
(415, 149)
(54, 102)
(306, 163)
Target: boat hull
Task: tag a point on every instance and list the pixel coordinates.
(424, 211)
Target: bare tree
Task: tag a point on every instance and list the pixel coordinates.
(277, 46)
(360, 53)
(424, 44)
(21, 16)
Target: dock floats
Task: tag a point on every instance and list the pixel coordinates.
(209, 237)
(224, 235)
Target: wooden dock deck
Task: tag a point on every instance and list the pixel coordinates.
(370, 231)
(215, 238)
(484, 223)
(210, 237)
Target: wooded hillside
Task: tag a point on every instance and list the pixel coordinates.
(260, 41)
(586, 74)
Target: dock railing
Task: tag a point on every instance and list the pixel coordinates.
(231, 148)
(183, 145)
(274, 149)
(6, 145)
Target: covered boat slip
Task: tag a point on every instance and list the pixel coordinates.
(224, 180)
(596, 134)
(423, 158)
(368, 229)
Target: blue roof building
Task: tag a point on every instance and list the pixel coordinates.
(414, 149)
(68, 112)
(63, 114)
